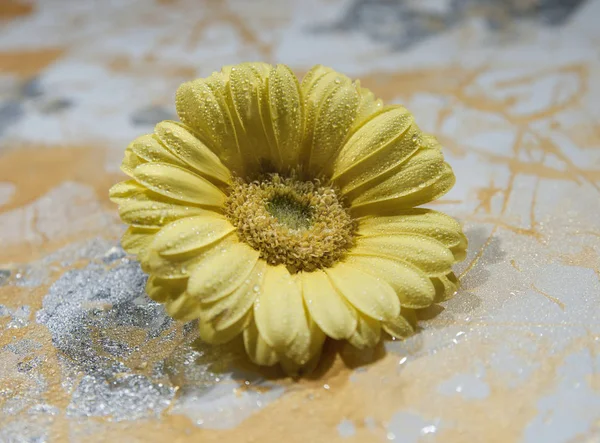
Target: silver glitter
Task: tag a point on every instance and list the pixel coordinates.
(19, 316)
(126, 398)
(90, 314)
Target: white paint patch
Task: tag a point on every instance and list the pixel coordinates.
(570, 410)
(468, 386)
(409, 427)
(223, 407)
(7, 190)
(69, 209)
(346, 428)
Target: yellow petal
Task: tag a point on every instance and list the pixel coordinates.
(257, 348)
(191, 151)
(307, 343)
(279, 311)
(156, 213)
(221, 273)
(180, 266)
(210, 335)
(201, 105)
(420, 170)
(312, 76)
(150, 149)
(445, 287)
(247, 94)
(179, 184)
(367, 106)
(285, 118)
(130, 162)
(429, 255)
(161, 290)
(229, 309)
(334, 315)
(183, 307)
(137, 239)
(381, 144)
(125, 190)
(402, 326)
(429, 141)
(424, 193)
(191, 233)
(460, 250)
(311, 87)
(413, 287)
(138, 206)
(330, 102)
(261, 68)
(367, 334)
(441, 227)
(370, 295)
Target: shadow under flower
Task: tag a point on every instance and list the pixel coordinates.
(336, 357)
(485, 249)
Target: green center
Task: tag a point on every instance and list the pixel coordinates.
(290, 211)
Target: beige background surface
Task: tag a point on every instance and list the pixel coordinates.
(510, 88)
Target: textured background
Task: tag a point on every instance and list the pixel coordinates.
(511, 88)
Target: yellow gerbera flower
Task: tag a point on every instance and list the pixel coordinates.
(285, 212)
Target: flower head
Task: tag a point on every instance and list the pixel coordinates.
(285, 213)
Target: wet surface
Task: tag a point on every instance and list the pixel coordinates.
(508, 87)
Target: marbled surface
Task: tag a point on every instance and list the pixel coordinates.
(511, 88)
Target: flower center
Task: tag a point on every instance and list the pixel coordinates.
(301, 224)
(291, 211)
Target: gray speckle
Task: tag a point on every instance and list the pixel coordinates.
(32, 88)
(96, 249)
(30, 276)
(20, 317)
(44, 408)
(29, 430)
(10, 113)
(23, 347)
(4, 276)
(91, 314)
(403, 23)
(55, 105)
(151, 115)
(100, 301)
(23, 382)
(36, 273)
(23, 366)
(126, 398)
(82, 310)
(114, 253)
